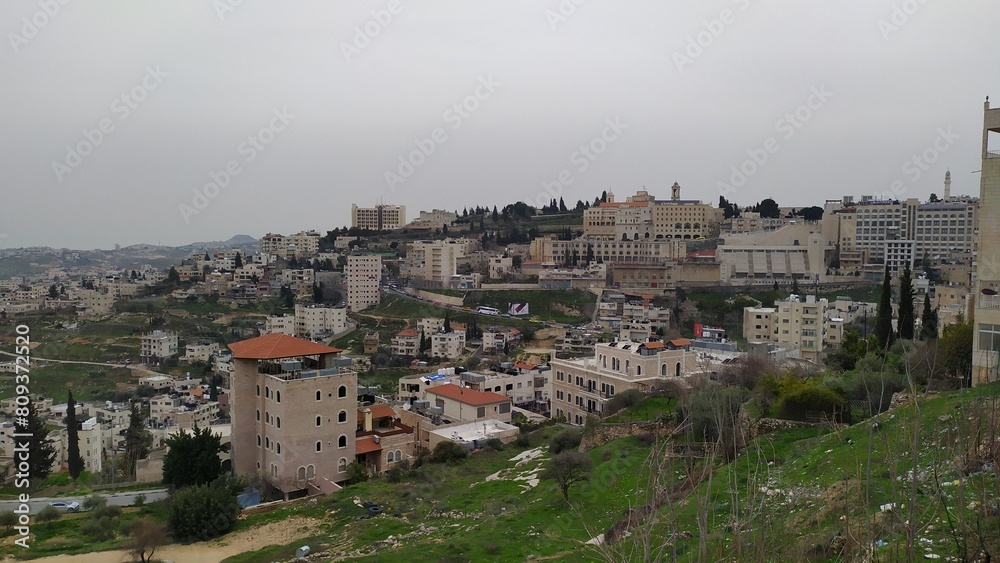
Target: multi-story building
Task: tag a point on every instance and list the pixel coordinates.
(575, 252)
(436, 218)
(280, 324)
(381, 439)
(406, 343)
(432, 263)
(378, 218)
(749, 222)
(315, 320)
(642, 217)
(200, 350)
(294, 414)
(581, 387)
(304, 244)
(449, 345)
(468, 405)
(795, 251)
(94, 304)
(363, 274)
(986, 316)
(802, 324)
(158, 344)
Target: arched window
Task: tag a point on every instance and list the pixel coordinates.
(399, 455)
(278, 395)
(300, 474)
(278, 419)
(390, 457)
(627, 364)
(258, 440)
(677, 369)
(663, 369)
(342, 391)
(319, 421)
(342, 465)
(342, 416)
(319, 395)
(267, 392)
(342, 441)
(638, 370)
(267, 417)
(258, 390)
(258, 415)
(310, 471)
(278, 444)
(319, 446)
(267, 443)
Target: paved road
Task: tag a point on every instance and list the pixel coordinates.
(114, 499)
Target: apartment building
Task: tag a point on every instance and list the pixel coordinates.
(986, 329)
(450, 345)
(575, 252)
(294, 414)
(304, 244)
(315, 320)
(378, 218)
(581, 387)
(280, 324)
(381, 439)
(528, 388)
(94, 304)
(749, 222)
(468, 405)
(795, 251)
(363, 274)
(803, 324)
(158, 344)
(200, 350)
(436, 218)
(432, 263)
(406, 343)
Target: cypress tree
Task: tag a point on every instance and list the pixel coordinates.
(75, 461)
(928, 321)
(906, 320)
(883, 315)
(41, 452)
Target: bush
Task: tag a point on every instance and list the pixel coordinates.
(804, 402)
(568, 439)
(98, 529)
(48, 514)
(494, 444)
(8, 520)
(623, 400)
(205, 511)
(94, 502)
(448, 452)
(395, 474)
(523, 440)
(139, 501)
(357, 473)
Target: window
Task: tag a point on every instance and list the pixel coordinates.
(258, 390)
(278, 395)
(342, 391)
(300, 474)
(319, 421)
(278, 419)
(342, 465)
(267, 443)
(342, 441)
(480, 412)
(267, 392)
(258, 440)
(319, 446)
(319, 395)
(342, 416)
(989, 337)
(504, 408)
(310, 471)
(278, 444)
(258, 415)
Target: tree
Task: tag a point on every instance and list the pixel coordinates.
(53, 291)
(213, 387)
(447, 322)
(137, 440)
(172, 276)
(8, 520)
(192, 459)
(496, 215)
(567, 468)
(239, 261)
(956, 349)
(883, 315)
(75, 461)
(795, 285)
(145, 536)
(933, 198)
(47, 514)
(357, 473)
(205, 511)
(906, 321)
(928, 321)
(317, 292)
(41, 452)
(769, 209)
(562, 205)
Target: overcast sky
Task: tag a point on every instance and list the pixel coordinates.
(316, 105)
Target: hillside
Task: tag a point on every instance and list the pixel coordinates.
(805, 494)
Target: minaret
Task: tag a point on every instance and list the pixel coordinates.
(675, 192)
(947, 185)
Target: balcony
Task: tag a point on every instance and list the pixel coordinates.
(988, 301)
(992, 154)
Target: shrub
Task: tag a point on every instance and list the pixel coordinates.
(448, 452)
(357, 473)
(810, 400)
(495, 444)
(568, 439)
(140, 500)
(395, 474)
(8, 520)
(48, 514)
(93, 502)
(98, 529)
(205, 511)
(623, 400)
(523, 440)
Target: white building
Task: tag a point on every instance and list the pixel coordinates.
(363, 274)
(158, 344)
(315, 320)
(449, 345)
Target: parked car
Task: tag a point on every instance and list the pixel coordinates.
(71, 506)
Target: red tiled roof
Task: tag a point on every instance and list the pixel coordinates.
(274, 346)
(680, 342)
(378, 411)
(468, 396)
(653, 345)
(523, 365)
(365, 445)
(407, 333)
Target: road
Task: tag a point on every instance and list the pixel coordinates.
(471, 311)
(114, 499)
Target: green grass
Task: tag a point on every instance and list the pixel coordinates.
(562, 306)
(651, 408)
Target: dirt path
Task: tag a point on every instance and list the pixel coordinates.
(275, 533)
